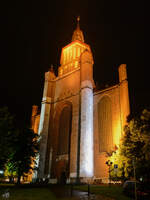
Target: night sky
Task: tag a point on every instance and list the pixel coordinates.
(33, 33)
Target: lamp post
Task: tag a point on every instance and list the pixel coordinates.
(133, 162)
(109, 164)
(123, 171)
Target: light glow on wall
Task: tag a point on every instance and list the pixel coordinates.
(87, 165)
(86, 144)
(41, 119)
(117, 133)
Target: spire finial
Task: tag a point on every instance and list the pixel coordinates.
(77, 34)
(78, 20)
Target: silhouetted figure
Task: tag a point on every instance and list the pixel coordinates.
(63, 178)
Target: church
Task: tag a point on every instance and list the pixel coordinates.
(79, 125)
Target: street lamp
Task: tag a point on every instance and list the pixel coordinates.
(109, 164)
(133, 162)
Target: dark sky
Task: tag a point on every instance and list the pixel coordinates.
(33, 33)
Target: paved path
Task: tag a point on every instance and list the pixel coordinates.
(91, 197)
(64, 192)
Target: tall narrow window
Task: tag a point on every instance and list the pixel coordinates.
(70, 54)
(105, 125)
(65, 122)
(74, 52)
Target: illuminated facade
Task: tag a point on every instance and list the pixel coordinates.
(78, 124)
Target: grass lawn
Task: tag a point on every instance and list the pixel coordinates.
(113, 191)
(27, 193)
(44, 193)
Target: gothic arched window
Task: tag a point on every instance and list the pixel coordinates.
(65, 122)
(105, 124)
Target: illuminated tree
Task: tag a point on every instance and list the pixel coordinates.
(134, 149)
(18, 146)
(9, 172)
(6, 135)
(119, 166)
(136, 145)
(25, 149)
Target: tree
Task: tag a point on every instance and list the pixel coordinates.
(136, 145)
(25, 149)
(6, 135)
(118, 170)
(18, 146)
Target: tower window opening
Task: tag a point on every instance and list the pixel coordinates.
(76, 64)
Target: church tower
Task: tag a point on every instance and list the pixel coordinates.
(78, 126)
(78, 55)
(66, 120)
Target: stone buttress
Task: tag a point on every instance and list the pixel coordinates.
(44, 119)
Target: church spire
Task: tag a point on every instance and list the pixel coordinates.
(78, 34)
(78, 24)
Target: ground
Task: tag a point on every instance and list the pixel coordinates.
(28, 192)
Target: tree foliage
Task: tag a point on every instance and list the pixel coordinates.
(136, 145)
(18, 146)
(25, 149)
(6, 135)
(134, 149)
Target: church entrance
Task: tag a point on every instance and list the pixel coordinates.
(63, 148)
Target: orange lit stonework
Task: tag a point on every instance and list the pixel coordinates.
(79, 124)
(70, 57)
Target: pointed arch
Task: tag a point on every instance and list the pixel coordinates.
(64, 131)
(105, 124)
